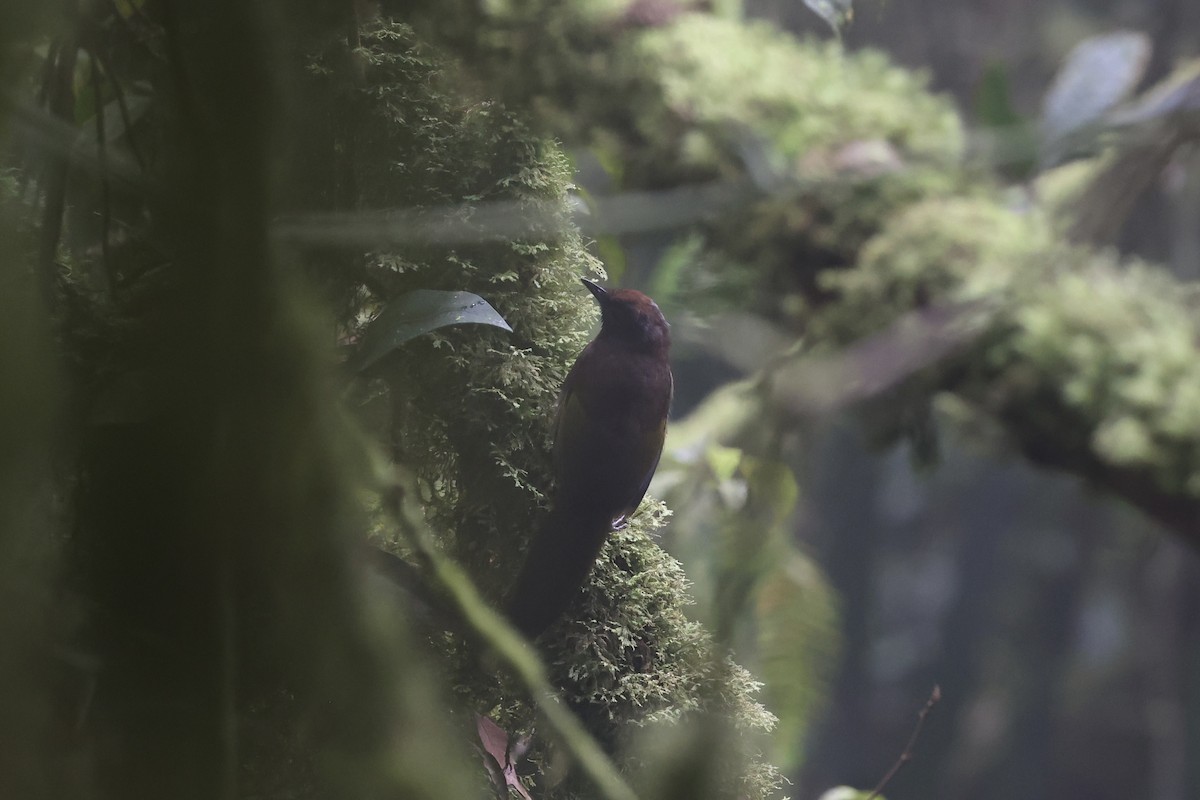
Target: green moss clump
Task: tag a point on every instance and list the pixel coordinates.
(938, 252)
(629, 657)
(670, 99)
(1118, 341)
(1095, 354)
(703, 74)
(853, 139)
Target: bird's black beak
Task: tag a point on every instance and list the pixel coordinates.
(598, 291)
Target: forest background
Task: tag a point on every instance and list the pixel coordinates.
(937, 416)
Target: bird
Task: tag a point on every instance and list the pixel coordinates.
(609, 431)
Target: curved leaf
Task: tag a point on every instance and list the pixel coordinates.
(1098, 74)
(418, 312)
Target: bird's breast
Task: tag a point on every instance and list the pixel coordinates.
(623, 385)
(611, 426)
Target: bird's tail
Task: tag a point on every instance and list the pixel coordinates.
(558, 561)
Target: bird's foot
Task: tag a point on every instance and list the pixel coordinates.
(620, 523)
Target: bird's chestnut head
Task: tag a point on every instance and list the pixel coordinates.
(631, 318)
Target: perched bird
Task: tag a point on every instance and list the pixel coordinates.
(612, 419)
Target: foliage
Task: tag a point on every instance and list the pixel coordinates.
(475, 423)
(761, 595)
(228, 217)
(209, 628)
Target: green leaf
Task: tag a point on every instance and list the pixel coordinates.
(1098, 74)
(993, 99)
(418, 312)
(758, 502)
(1007, 140)
(723, 461)
(668, 275)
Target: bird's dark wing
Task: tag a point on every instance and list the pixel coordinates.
(654, 443)
(609, 433)
(570, 419)
(642, 489)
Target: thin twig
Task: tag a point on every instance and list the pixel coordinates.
(46, 86)
(105, 186)
(228, 610)
(907, 755)
(60, 99)
(41, 99)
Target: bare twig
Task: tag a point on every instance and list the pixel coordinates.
(907, 755)
(809, 383)
(126, 118)
(105, 186)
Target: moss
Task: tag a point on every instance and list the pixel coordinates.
(852, 137)
(664, 97)
(943, 251)
(471, 406)
(1096, 352)
(629, 656)
(801, 96)
(1118, 341)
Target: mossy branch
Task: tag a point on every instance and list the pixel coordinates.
(1087, 361)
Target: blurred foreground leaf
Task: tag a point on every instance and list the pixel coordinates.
(734, 516)
(1098, 73)
(494, 740)
(797, 622)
